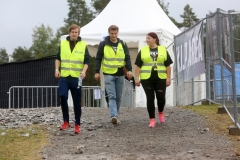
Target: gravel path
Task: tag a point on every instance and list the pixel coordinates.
(183, 136)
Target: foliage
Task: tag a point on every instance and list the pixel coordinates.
(89, 80)
(21, 54)
(189, 17)
(4, 58)
(99, 5)
(79, 13)
(44, 43)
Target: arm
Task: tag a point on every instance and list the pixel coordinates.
(99, 57)
(127, 58)
(128, 61)
(137, 73)
(168, 81)
(86, 63)
(57, 64)
(167, 63)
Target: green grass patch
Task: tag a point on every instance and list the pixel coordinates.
(15, 146)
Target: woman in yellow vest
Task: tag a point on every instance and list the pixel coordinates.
(153, 67)
(72, 60)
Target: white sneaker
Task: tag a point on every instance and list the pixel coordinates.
(118, 122)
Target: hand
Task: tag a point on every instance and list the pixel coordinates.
(83, 75)
(137, 82)
(57, 74)
(129, 75)
(168, 82)
(97, 76)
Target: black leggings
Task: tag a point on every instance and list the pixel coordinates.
(159, 88)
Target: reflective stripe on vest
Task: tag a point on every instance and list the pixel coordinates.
(146, 68)
(111, 60)
(72, 62)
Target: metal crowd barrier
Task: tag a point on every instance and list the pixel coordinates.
(48, 96)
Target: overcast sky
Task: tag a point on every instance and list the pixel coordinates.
(19, 17)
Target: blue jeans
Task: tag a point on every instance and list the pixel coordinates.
(114, 88)
(65, 84)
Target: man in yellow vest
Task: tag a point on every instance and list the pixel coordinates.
(113, 55)
(70, 67)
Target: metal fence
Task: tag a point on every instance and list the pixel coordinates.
(128, 96)
(48, 96)
(220, 83)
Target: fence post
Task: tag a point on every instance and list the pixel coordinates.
(233, 70)
(176, 70)
(219, 42)
(192, 91)
(208, 85)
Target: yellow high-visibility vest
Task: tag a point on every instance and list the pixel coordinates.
(111, 60)
(72, 62)
(148, 62)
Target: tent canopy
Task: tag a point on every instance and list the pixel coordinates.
(135, 18)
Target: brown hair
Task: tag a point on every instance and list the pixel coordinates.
(113, 28)
(154, 36)
(74, 26)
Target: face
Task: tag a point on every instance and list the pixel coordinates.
(150, 41)
(113, 35)
(74, 34)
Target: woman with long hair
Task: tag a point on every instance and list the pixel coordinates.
(153, 66)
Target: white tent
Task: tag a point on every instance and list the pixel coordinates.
(135, 18)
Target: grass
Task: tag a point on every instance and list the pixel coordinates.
(217, 123)
(14, 146)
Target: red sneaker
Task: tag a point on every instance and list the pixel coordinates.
(65, 126)
(161, 117)
(77, 129)
(152, 123)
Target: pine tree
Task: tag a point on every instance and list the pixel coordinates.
(189, 17)
(79, 13)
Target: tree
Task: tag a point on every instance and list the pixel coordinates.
(99, 5)
(78, 13)
(165, 9)
(189, 17)
(4, 58)
(21, 54)
(44, 43)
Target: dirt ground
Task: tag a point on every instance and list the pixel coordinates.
(184, 136)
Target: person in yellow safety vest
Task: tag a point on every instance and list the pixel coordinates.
(71, 65)
(113, 55)
(153, 66)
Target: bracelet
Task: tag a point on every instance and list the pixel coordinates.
(56, 70)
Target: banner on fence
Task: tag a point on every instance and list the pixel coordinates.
(189, 56)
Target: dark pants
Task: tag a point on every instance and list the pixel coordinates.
(106, 97)
(158, 88)
(64, 85)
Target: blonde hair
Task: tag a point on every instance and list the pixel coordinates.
(74, 26)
